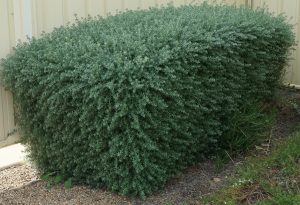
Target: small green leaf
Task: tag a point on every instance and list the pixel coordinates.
(49, 184)
(57, 179)
(68, 183)
(45, 177)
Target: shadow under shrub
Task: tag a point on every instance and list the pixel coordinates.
(127, 101)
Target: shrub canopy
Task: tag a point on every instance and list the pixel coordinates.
(128, 101)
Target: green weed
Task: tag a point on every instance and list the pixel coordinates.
(266, 180)
(53, 179)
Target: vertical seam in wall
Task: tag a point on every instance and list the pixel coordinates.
(140, 4)
(250, 4)
(297, 36)
(11, 22)
(281, 6)
(291, 66)
(21, 18)
(122, 5)
(43, 15)
(27, 18)
(86, 5)
(38, 5)
(104, 8)
(4, 132)
(33, 17)
(64, 11)
(8, 114)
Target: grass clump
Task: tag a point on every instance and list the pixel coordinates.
(268, 180)
(248, 128)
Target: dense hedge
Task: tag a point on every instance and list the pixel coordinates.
(128, 101)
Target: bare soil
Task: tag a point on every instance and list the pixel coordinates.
(21, 184)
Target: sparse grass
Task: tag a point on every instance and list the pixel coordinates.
(249, 127)
(266, 180)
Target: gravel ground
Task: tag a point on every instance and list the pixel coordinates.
(16, 176)
(21, 185)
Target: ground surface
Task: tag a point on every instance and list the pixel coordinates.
(20, 184)
(11, 155)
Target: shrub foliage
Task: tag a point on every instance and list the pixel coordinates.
(128, 101)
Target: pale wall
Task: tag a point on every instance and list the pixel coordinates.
(291, 8)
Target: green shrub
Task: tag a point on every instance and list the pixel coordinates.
(130, 100)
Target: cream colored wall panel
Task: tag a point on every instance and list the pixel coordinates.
(96, 7)
(47, 15)
(274, 6)
(2, 117)
(72, 8)
(132, 4)
(9, 128)
(5, 47)
(36, 13)
(170, 2)
(7, 40)
(237, 2)
(114, 6)
(256, 3)
(18, 17)
(291, 9)
(179, 2)
(151, 3)
(8, 113)
(192, 1)
(4, 31)
(22, 19)
(11, 22)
